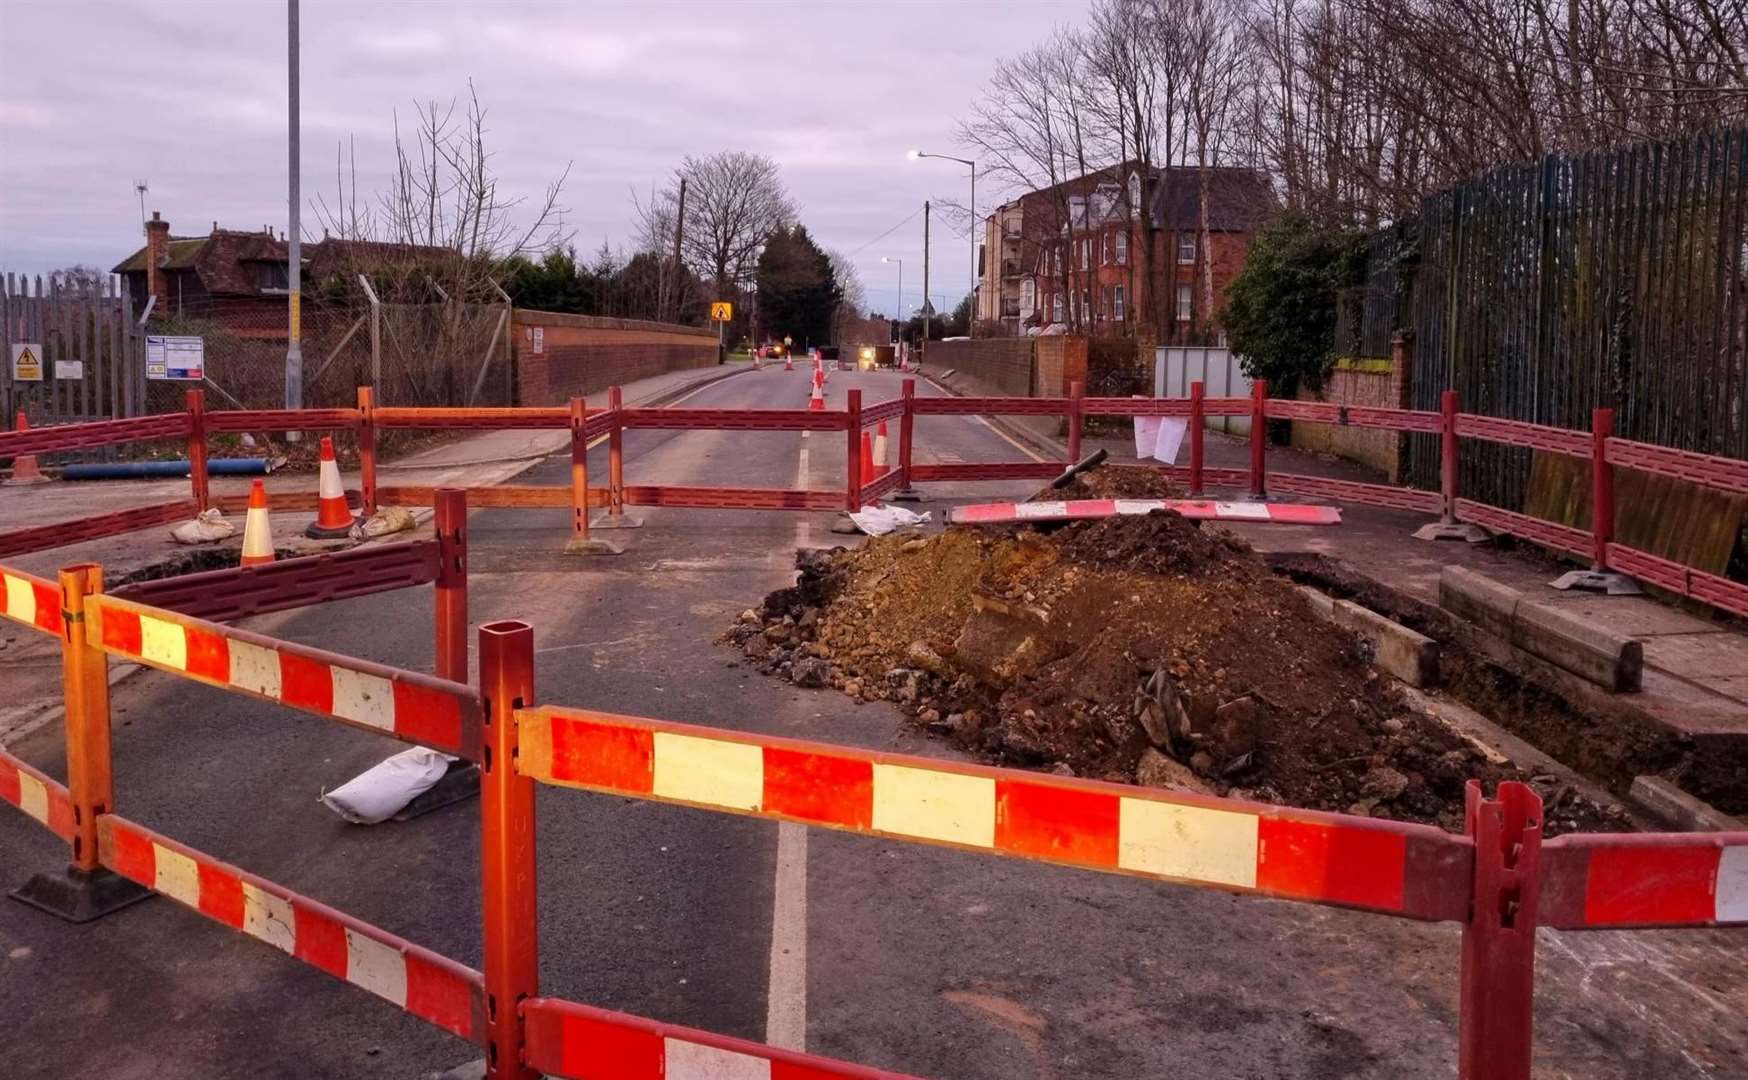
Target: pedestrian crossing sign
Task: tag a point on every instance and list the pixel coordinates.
(721, 311)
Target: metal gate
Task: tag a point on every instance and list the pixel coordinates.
(1221, 374)
(93, 352)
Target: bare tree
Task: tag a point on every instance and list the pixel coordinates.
(734, 200)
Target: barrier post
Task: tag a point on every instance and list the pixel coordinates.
(616, 517)
(367, 449)
(580, 543)
(451, 584)
(1447, 527)
(1496, 1022)
(87, 891)
(508, 901)
(906, 434)
(197, 448)
(1198, 424)
(1259, 392)
(853, 469)
(1076, 390)
(1601, 487)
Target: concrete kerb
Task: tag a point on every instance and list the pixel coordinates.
(1612, 661)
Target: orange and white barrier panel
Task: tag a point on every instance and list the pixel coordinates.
(1000, 513)
(1594, 882)
(30, 600)
(432, 987)
(415, 708)
(1409, 870)
(39, 797)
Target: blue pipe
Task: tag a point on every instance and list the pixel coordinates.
(134, 470)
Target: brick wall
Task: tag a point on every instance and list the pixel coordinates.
(1061, 360)
(1382, 383)
(993, 366)
(585, 354)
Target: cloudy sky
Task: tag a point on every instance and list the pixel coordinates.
(190, 97)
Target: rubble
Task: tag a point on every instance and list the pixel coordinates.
(1137, 649)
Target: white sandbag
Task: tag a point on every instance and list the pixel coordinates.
(387, 520)
(880, 520)
(208, 526)
(381, 791)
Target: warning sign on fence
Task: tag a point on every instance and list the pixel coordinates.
(175, 357)
(27, 363)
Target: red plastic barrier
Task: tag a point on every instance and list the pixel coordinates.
(1520, 433)
(1315, 411)
(237, 420)
(990, 406)
(1326, 487)
(885, 410)
(888, 481)
(728, 498)
(498, 497)
(529, 418)
(1105, 406)
(86, 436)
(733, 420)
(227, 595)
(1724, 474)
(94, 527)
(1547, 533)
(996, 470)
(1396, 419)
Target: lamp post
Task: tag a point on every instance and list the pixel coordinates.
(971, 320)
(900, 262)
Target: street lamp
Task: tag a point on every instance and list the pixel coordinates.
(900, 262)
(971, 321)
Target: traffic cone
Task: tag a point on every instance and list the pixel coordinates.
(24, 470)
(333, 519)
(880, 450)
(257, 533)
(788, 363)
(867, 458)
(816, 402)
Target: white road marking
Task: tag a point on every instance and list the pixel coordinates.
(786, 1000)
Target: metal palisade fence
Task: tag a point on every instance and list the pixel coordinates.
(92, 358)
(1609, 279)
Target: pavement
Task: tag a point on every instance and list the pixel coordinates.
(928, 961)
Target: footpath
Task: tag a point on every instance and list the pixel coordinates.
(1695, 679)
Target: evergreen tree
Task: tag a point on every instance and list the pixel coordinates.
(798, 292)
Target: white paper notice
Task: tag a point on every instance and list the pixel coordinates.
(1146, 435)
(1170, 438)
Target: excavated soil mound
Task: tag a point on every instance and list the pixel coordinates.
(1113, 482)
(1139, 649)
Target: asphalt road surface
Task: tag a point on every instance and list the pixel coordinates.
(933, 962)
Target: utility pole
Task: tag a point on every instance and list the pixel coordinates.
(679, 234)
(923, 345)
(294, 268)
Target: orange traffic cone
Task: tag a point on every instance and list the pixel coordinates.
(867, 458)
(880, 467)
(24, 470)
(789, 362)
(816, 402)
(333, 519)
(257, 533)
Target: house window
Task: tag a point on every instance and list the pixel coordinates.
(1186, 248)
(1056, 308)
(1134, 191)
(1183, 303)
(1085, 253)
(1105, 250)
(272, 275)
(1028, 295)
(1122, 249)
(1117, 303)
(1085, 305)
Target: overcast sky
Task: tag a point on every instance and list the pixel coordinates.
(191, 98)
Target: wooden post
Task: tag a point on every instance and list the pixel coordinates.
(197, 448)
(1495, 1026)
(1198, 424)
(367, 448)
(853, 454)
(509, 902)
(85, 688)
(1601, 487)
(1259, 392)
(1076, 389)
(451, 584)
(579, 472)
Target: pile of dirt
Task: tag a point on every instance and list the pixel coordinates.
(1113, 482)
(1138, 649)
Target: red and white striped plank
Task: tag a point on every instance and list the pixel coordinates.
(30, 600)
(1607, 881)
(38, 796)
(415, 708)
(431, 987)
(1400, 869)
(585, 1043)
(1000, 513)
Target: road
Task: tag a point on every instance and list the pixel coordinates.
(928, 961)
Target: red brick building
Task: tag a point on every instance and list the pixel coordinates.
(1114, 254)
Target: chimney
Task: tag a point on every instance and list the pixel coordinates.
(157, 253)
